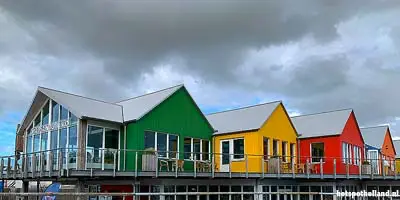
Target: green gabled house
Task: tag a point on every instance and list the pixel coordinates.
(168, 121)
(94, 134)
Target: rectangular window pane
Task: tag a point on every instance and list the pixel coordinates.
(44, 142)
(54, 139)
(196, 148)
(344, 152)
(235, 188)
(95, 141)
(72, 144)
(187, 148)
(275, 148)
(29, 144)
(111, 139)
(46, 114)
(317, 152)
(36, 143)
(238, 148)
(38, 120)
(149, 140)
(63, 143)
(213, 188)
(73, 119)
(205, 149)
(64, 113)
(54, 112)
(248, 189)
(192, 188)
(224, 189)
(173, 145)
(162, 144)
(179, 189)
(284, 146)
(292, 152)
(265, 148)
(169, 189)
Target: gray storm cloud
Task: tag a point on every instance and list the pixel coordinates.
(316, 55)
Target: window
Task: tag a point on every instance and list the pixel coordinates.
(356, 155)
(43, 145)
(292, 152)
(187, 148)
(38, 120)
(29, 145)
(284, 146)
(238, 149)
(46, 114)
(72, 118)
(173, 145)
(36, 143)
(196, 148)
(111, 138)
(149, 140)
(63, 113)
(94, 142)
(54, 140)
(317, 152)
(275, 148)
(55, 111)
(162, 144)
(344, 152)
(266, 148)
(349, 153)
(205, 149)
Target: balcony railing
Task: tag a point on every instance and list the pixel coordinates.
(114, 162)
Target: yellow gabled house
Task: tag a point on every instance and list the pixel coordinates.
(253, 134)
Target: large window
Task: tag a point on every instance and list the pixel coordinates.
(266, 148)
(357, 155)
(46, 114)
(284, 147)
(238, 148)
(165, 144)
(317, 152)
(292, 152)
(198, 147)
(102, 144)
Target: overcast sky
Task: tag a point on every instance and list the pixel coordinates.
(315, 55)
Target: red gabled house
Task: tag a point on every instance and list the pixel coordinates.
(333, 137)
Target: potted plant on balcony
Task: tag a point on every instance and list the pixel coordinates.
(366, 167)
(149, 159)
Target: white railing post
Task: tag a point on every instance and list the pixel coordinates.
(115, 163)
(176, 164)
(308, 167)
(213, 165)
(334, 168)
(230, 165)
(321, 168)
(136, 163)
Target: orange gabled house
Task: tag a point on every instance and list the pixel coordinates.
(379, 148)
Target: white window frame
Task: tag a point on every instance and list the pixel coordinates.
(191, 158)
(156, 141)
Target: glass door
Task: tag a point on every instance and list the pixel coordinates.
(225, 160)
(374, 160)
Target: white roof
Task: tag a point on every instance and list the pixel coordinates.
(321, 124)
(396, 144)
(374, 136)
(242, 119)
(85, 107)
(137, 107)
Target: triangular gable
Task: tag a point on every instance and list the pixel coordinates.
(352, 114)
(137, 107)
(242, 119)
(391, 140)
(81, 107)
(374, 136)
(286, 114)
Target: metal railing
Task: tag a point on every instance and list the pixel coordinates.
(60, 162)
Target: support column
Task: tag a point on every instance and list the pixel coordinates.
(25, 188)
(38, 189)
(81, 155)
(80, 186)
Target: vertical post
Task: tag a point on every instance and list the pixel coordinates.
(321, 168)
(15, 166)
(50, 163)
(334, 168)
(308, 167)
(176, 164)
(383, 169)
(156, 164)
(115, 163)
(33, 165)
(347, 169)
(293, 171)
(359, 169)
(8, 167)
(279, 167)
(23, 163)
(213, 165)
(38, 189)
(195, 165)
(263, 167)
(136, 163)
(395, 169)
(247, 165)
(25, 188)
(26, 165)
(230, 165)
(2, 168)
(60, 163)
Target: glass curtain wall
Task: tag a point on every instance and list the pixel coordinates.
(54, 129)
(102, 147)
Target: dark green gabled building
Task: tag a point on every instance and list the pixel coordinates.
(168, 121)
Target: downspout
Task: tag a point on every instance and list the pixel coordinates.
(124, 147)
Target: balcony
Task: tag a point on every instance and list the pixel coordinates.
(130, 163)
